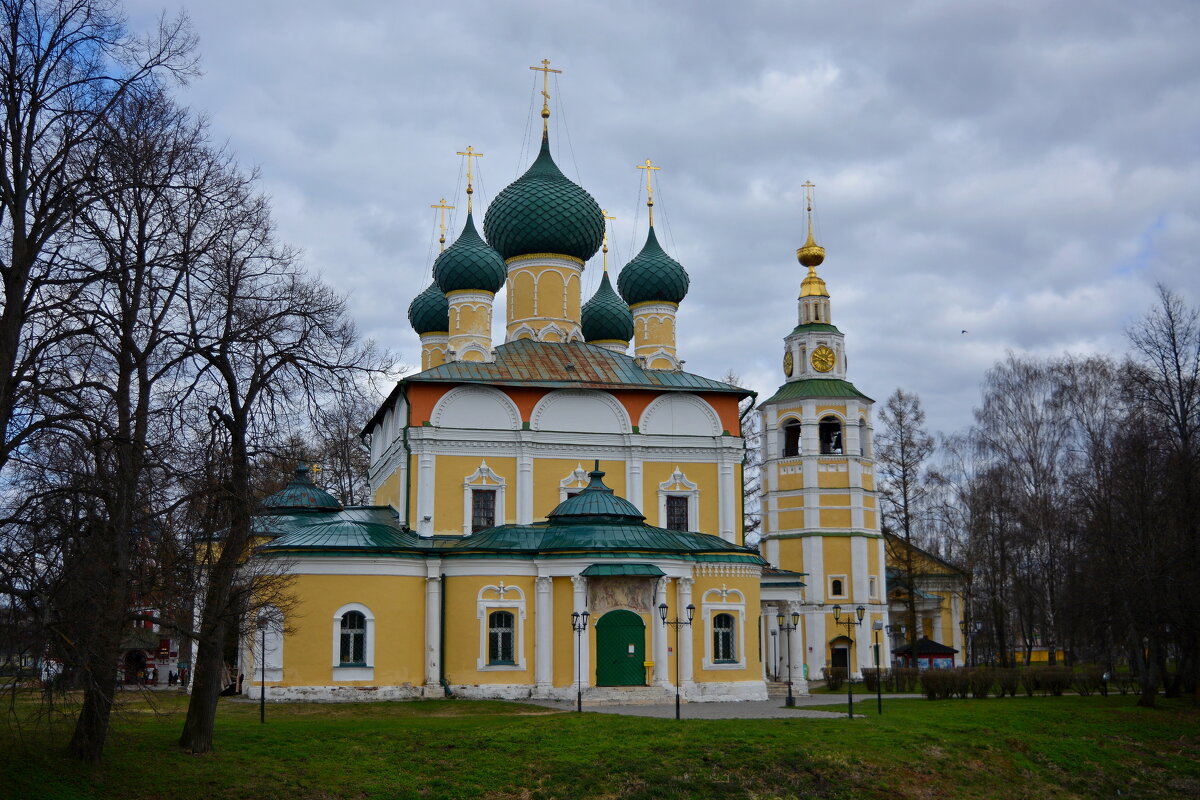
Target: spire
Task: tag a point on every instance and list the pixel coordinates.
(470, 153)
(545, 70)
(811, 255)
(443, 208)
(649, 188)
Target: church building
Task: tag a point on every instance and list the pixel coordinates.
(545, 505)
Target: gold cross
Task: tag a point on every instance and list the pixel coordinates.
(470, 153)
(604, 213)
(649, 189)
(545, 70)
(441, 204)
(808, 187)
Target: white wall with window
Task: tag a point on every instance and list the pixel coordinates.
(678, 503)
(500, 610)
(838, 587)
(353, 643)
(483, 499)
(723, 612)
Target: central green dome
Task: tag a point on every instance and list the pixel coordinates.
(469, 264)
(429, 312)
(653, 276)
(544, 211)
(606, 317)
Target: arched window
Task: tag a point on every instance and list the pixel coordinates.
(353, 650)
(830, 433)
(837, 588)
(724, 650)
(791, 438)
(500, 637)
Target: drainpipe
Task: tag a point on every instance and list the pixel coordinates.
(407, 455)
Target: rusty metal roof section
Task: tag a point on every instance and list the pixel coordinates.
(573, 365)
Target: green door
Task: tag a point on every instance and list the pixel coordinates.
(620, 649)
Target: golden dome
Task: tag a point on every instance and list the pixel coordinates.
(812, 284)
(811, 254)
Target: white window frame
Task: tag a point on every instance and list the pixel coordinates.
(845, 593)
(575, 482)
(483, 473)
(498, 597)
(272, 658)
(341, 673)
(690, 490)
(872, 587)
(724, 601)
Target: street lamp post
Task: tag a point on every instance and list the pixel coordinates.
(779, 620)
(850, 623)
(579, 625)
(877, 626)
(676, 623)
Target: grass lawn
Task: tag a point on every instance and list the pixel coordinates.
(1041, 747)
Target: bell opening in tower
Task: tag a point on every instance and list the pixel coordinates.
(829, 431)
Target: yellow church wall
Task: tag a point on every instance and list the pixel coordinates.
(789, 481)
(834, 500)
(791, 554)
(869, 521)
(548, 474)
(656, 473)
(452, 471)
(472, 317)
(838, 563)
(746, 632)
(388, 493)
(520, 294)
(838, 518)
(563, 593)
(833, 480)
(791, 520)
(463, 626)
(868, 483)
(550, 293)
(398, 606)
(790, 502)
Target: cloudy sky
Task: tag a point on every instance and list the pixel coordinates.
(1024, 171)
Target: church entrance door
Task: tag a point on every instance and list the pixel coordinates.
(620, 649)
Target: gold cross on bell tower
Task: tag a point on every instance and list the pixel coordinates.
(604, 249)
(545, 70)
(442, 209)
(649, 188)
(470, 153)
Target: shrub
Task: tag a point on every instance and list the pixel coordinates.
(980, 680)
(904, 679)
(1088, 681)
(1125, 681)
(872, 678)
(1007, 681)
(961, 682)
(1030, 680)
(938, 684)
(834, 677)
(1055, 680)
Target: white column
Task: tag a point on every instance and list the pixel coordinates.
(686, 676)
(583, 651)
(814, 639)
(525, 489)
(544, 644)
(633, 482)
(858, 570)
(799, 684)
(425, 494)
(726, 501)
(660, 635)
(433, 629)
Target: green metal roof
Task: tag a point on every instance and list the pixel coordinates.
(606, 317)
(609, 570)
(653, 275)
(429, 312)
(816, 327)
(525, 362)
(469, 264)
(543, 211)
(816, 387)
(301, 494)
(595, 503)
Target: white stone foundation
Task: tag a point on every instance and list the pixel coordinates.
(715, 692)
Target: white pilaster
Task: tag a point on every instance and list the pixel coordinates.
(726, 500)
(686, 674)
(633, 482)
(425, 493)
(799, 684)
(858, 570)
(660, 635)
(433, 629)
(544, 642)
(524, 489)
(583, 651)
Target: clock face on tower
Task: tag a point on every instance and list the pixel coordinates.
(823, 359)
(787, 363)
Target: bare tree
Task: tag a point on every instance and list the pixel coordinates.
(751, 428)
(903, 448)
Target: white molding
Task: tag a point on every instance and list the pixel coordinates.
(666, 401)
(457, 393)
(499, 485)
(484, 606)
(577, 476)
(620, 415)
(341, 673)
(690, 490)
(729, 601)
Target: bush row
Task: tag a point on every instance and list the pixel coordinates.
(980, 682)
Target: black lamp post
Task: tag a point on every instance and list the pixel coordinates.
(263, 621)
(877, 626)
(850, 623)
(579, 625)
(783, 626)
(676, 623)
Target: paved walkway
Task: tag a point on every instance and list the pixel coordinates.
(745, 709)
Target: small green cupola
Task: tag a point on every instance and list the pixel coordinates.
(469, 264)
(429, 312)
(595, 503)
(544, 211)
(606, 317)
(653, 276)
(301, 494)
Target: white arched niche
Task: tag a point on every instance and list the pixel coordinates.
(680, 414)
(476, 407)
(580, 411)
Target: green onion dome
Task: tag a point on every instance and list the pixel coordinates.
(301, 494)
(653, 276)
(543, 211)
(594, 501)
(429, 312)
(469, 264)
(606, 317)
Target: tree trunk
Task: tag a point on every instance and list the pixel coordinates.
(197, 736)
(1148, 672)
